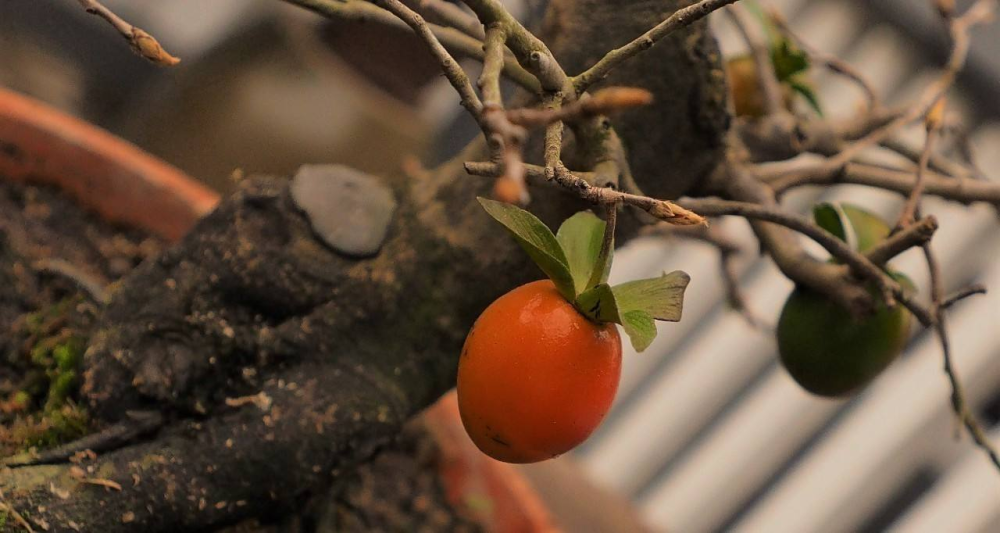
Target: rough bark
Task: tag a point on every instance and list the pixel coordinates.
(341, 350)
(673, 144)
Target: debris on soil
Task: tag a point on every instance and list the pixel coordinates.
(46, 313)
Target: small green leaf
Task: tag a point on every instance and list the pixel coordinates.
(661, 298)
(806, 92)
(869, 228)
(599, 304)
(537, 240)
(580, 236)
(788, 60)
(640, 328)
(829, 217)
(859, 228)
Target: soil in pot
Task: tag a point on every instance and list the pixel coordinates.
(56, 260)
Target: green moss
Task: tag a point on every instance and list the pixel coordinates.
(53, 428)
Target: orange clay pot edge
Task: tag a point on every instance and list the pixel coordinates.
(514, 504)
(119, 181)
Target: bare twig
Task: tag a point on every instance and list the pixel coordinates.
(452, 70)
(938, 163)
(529, 50)
(907, 219)
(962, 294)
(141, 42)
(933, 122)
(959, 28)
(664, 210)
(603, 102)
(504, 139)
(453, 16)
(915, 234)
(679, 19)
(956, 189)
(958, 401)
(861, 265)
(452, 39)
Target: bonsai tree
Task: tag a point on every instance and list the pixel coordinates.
(290, 334)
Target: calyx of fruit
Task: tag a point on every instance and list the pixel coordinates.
(578, 261)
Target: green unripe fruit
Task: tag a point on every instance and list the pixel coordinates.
(828, 351)
(825, 348)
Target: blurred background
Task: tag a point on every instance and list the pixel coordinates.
(708, 433)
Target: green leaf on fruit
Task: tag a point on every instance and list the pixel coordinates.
(601, 304)
(640, 328)
(636, 304)
(580, 237)
(662, 298)
(537, 240)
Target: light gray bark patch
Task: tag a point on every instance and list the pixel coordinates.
(349, 210)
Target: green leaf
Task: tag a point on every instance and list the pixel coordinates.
(788, 60)
(537, 240)
(640, 328)
(661, 298)
(829, 217)
(806, 92)
(859, 228)
(869, 228)
(580, 237)
(599, 304)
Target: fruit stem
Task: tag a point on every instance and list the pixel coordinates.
(603, 264)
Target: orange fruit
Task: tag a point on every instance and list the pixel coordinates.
(536, 377)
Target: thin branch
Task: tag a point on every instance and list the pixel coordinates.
(664, 210)
(958, 401)
(909, 213)
(452, 70)
(529, 50)
(453, 16)
(141, 42)
(679, 19)
(913, 235)
(962, 190)
(861, 265)
(938, 163)
(603, 102)
(959, 28)
(503, 138)
(963, 293)
(452, 39)
(553, 134)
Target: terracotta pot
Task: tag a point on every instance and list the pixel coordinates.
(128, 186)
